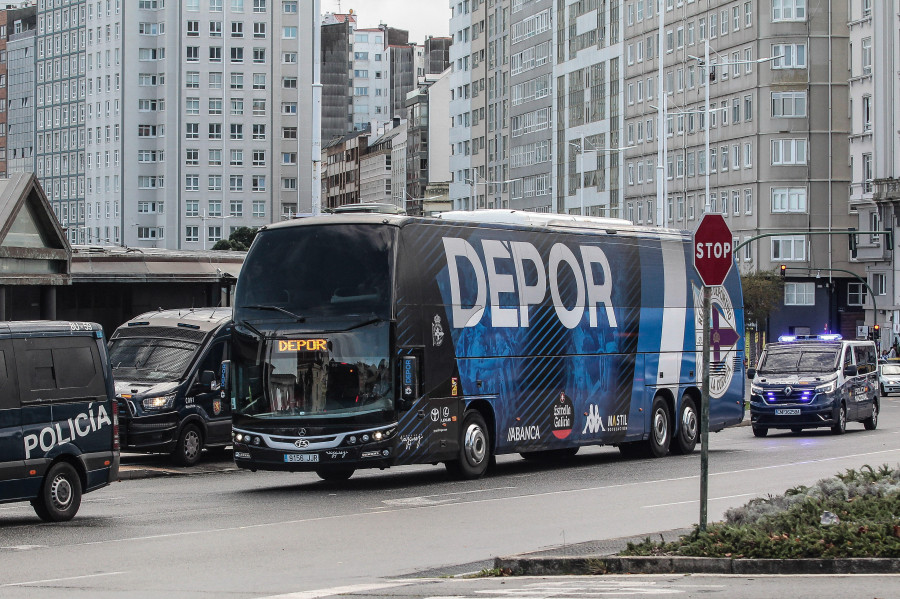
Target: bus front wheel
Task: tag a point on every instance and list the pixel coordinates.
(474, 448)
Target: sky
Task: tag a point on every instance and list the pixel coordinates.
(420, 17)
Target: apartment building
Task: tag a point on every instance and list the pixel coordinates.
(778, 133)
(21, 68)
(60, 108)
(468, 104)
(874, 53)
(588, 107)
(181, 120)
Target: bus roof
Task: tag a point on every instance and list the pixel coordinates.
(531, 220)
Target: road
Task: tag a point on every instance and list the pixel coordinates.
(242, 534)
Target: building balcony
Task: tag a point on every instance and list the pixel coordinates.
(886, 189)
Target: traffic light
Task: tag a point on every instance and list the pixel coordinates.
(783, 270)
(712, 72)
(852, 238)
(876, 333)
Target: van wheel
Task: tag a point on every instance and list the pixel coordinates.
(189, 447)
(688, 427)
(883, 392)
(474, 448)
(841, 424)
(335, 474)
(871, 423)
(60, 495)
(760, 431)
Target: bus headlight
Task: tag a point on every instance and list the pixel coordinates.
(158, 403)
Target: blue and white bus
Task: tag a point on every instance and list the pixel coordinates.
(370, 341)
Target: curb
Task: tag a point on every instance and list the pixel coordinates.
(599, 565)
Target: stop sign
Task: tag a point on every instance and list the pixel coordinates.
(712, 250)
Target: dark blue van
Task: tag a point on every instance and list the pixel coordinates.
(167, 367)
(58, 415)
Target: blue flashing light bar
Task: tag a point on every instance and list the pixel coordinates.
(823, 337)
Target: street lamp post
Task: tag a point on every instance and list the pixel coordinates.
(473, 182)
(205, 217)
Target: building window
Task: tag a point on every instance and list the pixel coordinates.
(788, 104)
(879, 284)
(790, 248)
(259, 183)
(236, 183)
(788, 10)
(259, 209)
(867, 113)
(790, 56)
(856, 294)
(867, 172)
(800, 294)
(191, 183)
(192, 234)
(788, 151)
(789, 199)
(867, 56)
(236, 208)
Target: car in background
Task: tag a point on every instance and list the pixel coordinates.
(889, 377)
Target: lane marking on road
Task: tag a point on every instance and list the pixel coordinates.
(50, 580)
(280, 523)
(429, 500)
(354, 588)
(697, 500)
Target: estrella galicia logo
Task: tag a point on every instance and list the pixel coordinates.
(563, 416)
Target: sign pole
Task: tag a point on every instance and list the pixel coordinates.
(704, 410)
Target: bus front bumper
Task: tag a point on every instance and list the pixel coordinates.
(372, 455)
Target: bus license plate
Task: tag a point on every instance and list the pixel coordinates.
(787, 412)
(301, 457)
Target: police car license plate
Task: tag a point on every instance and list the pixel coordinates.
(301, 457)
(787, 412)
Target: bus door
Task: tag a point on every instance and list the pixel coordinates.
(12, 450)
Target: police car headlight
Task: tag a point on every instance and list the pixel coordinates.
(827, 387)
(755, 390)
(158, 403)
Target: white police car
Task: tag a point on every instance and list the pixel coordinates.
(814, 381)
(889, 377)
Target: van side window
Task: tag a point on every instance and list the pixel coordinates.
(59, 369)
(213, 359)
(865, 358)
(848, 357)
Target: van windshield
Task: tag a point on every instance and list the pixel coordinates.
(150, 360)
(799, 359)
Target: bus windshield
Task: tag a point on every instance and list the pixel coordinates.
(295, 273)
(148, 359)
(348, 375)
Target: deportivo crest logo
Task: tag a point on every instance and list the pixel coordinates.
(723, 339)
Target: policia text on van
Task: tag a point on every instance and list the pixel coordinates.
(58, 416)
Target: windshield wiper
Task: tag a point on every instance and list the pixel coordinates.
(296, 317)
(365, 323)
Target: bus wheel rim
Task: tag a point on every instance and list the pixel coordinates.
(61, 492)
(475, 445)
(690, 423)
(660, 427)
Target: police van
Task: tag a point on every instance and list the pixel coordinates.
(814, 381)
(58, 415)
(166, 365)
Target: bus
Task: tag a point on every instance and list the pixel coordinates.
(371, 341)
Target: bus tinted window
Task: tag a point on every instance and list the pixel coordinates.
(325, 270)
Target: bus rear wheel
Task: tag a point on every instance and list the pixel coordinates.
(688, 427)
(660, 429)
(474, 448)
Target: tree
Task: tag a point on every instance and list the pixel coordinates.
(763, 294)
(238, 241)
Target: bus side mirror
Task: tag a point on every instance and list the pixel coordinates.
(751, 373)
